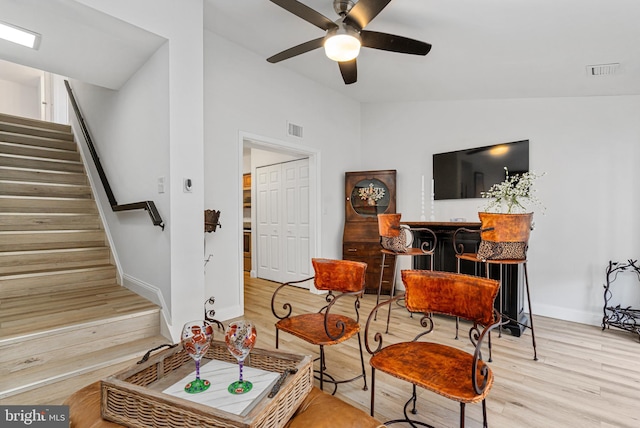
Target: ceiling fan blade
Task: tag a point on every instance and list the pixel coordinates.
(306, 13)
(349, 71)
(297, 50)
(364, 11)
(393, 43)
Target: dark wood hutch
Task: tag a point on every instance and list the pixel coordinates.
(367, 194)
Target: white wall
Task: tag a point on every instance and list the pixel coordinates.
(19, 100)
(246, 94)
(589, 149)
(181, 24)
(130, 129)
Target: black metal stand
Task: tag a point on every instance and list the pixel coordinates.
(627, 318)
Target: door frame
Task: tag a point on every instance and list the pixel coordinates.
(261, 142)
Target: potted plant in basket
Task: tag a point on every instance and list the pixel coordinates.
(507, 219)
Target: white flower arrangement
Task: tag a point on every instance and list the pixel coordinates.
(514, 195)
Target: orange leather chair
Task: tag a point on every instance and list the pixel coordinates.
(390, 229)
(342, 279)
(440, 368)
(505, 228)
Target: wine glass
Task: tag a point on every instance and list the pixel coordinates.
(240, 338)
(196, 339)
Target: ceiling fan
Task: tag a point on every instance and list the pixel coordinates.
(346, 35)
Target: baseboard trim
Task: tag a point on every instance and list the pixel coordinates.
(149, 292)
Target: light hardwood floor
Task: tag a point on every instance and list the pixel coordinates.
(585, 377)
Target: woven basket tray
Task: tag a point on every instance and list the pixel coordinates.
(132, 397)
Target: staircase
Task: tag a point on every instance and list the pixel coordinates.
(62, 312)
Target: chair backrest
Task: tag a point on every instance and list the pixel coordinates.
(465, 296)
(506, 227)
(389, 225)
(339, 275)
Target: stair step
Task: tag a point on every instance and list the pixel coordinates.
(56, 190)
(36, 123)
(50, 239)
(14, 262)
(47, 371)
(40, 164)
(39, 152)
(37, 221)
(34, 283)
(16, 204)
(35, 131)
(72, 333)
(35, 141)
(39, 176)
(63, 310)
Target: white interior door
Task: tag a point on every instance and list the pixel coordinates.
(295, 180)
(268, 224)
(282, 221)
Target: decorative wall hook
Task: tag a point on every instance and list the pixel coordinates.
(211, 222)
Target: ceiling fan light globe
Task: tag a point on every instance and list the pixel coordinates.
(342, 47)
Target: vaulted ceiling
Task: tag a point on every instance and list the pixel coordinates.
(481, 48)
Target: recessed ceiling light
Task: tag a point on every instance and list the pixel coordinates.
(19, 35)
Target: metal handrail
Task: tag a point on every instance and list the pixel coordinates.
(149, 206)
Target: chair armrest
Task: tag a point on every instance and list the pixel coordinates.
(378, 336)
(425, 244)
(286, 306)
(476, 337)
(331, 300)
(459, 248)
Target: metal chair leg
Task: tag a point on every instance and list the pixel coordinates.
(484, 414)
(373, 388)
(393, 291)
(321, 367)
(462, 406)
(364, 376)
(533, 334)
(384, 256)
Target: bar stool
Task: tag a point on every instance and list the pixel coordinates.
(500, 234)
(396, 241)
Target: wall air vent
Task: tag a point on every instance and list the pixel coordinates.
(294, 130)
(603, 69)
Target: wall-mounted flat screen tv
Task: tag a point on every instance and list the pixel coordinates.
(467, 173)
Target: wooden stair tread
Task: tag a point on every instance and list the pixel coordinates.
(8, 118)
(46, 204)
(83, 363)
(38, 131)
(59, 309)
(40, 163)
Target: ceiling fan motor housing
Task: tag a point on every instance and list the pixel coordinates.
(342, 7)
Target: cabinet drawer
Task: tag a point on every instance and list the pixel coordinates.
(361, 249)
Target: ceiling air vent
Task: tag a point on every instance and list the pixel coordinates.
(602, 69)
(294, 130)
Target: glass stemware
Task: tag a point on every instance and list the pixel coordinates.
(196, 339)
(240, 338)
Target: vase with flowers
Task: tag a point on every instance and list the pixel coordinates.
(507, 218)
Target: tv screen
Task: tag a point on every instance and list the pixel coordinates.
(466, 173)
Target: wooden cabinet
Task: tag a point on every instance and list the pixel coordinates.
(367, 194)
(246, 190)
(247, 250)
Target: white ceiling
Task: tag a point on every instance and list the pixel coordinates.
(77, 42)
(481, 48)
